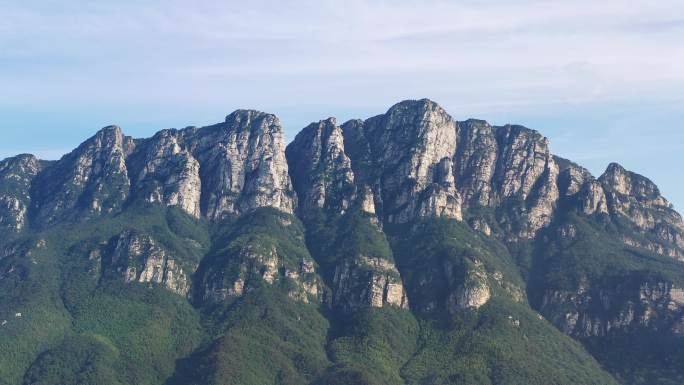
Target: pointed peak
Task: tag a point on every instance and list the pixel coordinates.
(21, 158)
(323, 129)
(21, 162)
(615, 168)
(619, 179)
(420, 104)
(252, 121)
(471, 122)
(246, 115)
(110, 130)
(331, 121)
(618, 171)
(109, 136)
(326, 125)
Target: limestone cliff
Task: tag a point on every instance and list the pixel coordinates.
(91, 180)
(136, 257)
(637, 200)
(16, 176)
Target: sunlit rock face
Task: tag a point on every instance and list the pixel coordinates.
(166, 172)
(321, 170)
(368, 282)
(243, 165)
(638, 200)
(16, 176)
(91, 180)
(475, 162)
(230, 168)
(406, 157)
(599, 311)
(139, 258)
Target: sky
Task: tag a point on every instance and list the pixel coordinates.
(603, 80)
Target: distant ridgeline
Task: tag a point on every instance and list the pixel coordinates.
(408, 248)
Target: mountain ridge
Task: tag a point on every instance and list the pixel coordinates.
(474, 242)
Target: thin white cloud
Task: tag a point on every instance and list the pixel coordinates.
(172, 51)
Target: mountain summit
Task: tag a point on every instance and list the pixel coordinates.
(407, 248)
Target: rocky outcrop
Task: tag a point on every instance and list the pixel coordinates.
(321, 170)
(475, 162)
(166, 172)
(16, 176)
(407, 159)
(243, 165)
(91, 180)
(418, 163)
(471, 290)
(230, 168)
(253, 264)
(262, 249)
(597, 311)
(367, 282)
(636, 200)
(524, 159)
(527, 172)
(137, 257)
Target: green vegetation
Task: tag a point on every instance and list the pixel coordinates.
(371, 346)
(261, 338)
(81, 326)
(78, 360)
(63, 302)
(501, 343)
(596, 262)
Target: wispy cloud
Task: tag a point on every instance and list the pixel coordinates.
(174, 50)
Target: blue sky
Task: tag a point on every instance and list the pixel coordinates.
(602, 79)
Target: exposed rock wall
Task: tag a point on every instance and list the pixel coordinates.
(137, 257)
(320, 169)
(597, 311)
(635, 199)
(91, 180)
(16, 176)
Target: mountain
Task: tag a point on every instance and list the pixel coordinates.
(407, 248)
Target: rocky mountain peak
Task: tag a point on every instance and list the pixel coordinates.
(637, 200)
(113, 130)
(320, 169)
(616, 178)
(15, 167)
(240, 121)
(92, 179)
(244, 165)
(406, 155)
(229, 168)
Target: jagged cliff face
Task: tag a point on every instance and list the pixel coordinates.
(230, 168)
(166, 172)
(327, 185)
(134, 257)
(622, 306)
(638, 201)
(405, 156)
(92, 180)
(321, 170)
(410, 210)
(16, 175)
(420, 163)
(243, 165)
